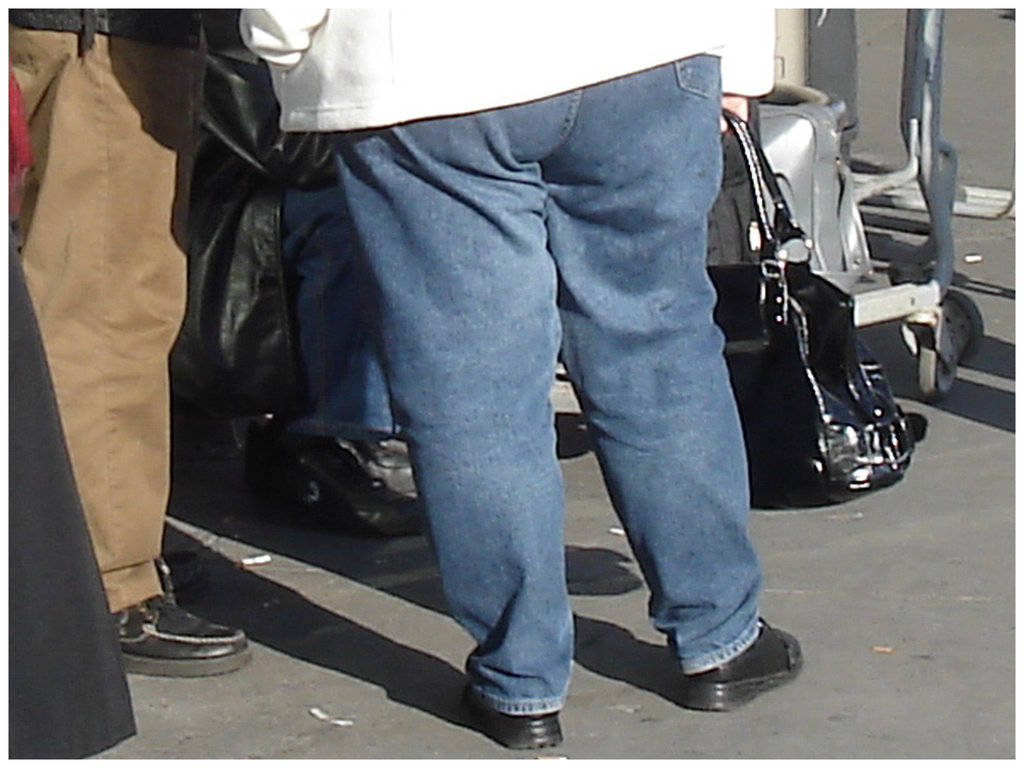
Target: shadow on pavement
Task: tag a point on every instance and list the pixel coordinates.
(278, 617)
(209, 493)
(617, 654)
(979, 402)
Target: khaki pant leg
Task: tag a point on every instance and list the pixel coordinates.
(112, 133)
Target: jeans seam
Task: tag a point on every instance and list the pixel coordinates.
(532, 706)
(569, 123)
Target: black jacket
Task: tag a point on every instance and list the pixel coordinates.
(235, 355)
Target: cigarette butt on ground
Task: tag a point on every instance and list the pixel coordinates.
(255, 560)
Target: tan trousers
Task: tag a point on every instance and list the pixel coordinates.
(112, 134)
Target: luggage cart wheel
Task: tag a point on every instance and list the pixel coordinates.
(940, 345)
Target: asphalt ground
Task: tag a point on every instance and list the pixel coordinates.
(903, 599)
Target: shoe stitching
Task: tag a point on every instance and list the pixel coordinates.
(151, 631)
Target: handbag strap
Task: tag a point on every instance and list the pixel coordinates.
(774, 220)
(773, 215)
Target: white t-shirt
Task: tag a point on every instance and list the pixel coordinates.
(345, 69)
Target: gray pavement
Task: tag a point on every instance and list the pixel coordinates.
(903, 600)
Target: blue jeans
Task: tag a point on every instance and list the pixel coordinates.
(576, 225)
(346, 393)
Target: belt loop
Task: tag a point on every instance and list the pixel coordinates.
(88, 31)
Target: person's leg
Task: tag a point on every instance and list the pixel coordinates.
(450, 217)
(631, 189)
(347, 391)
(107, 278)
(112, 135)
(333, 458)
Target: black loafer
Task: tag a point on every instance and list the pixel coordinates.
(512, 731)
(158, 637)
(331, 484)
(773, 660)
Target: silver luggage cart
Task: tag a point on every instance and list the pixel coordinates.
(802, 132)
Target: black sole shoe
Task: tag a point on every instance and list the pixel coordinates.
(774, 659)
(328, 485)
(158, 667)
(512, 731)
(158, 637)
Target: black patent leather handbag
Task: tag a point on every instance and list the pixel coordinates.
(819, 419)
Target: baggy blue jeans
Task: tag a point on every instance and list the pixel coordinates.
(575, 224)
(346, 394)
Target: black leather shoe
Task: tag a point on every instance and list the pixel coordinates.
(386, 461)
(344, 486)
(774, 659)
(158, 637)
(512, 731)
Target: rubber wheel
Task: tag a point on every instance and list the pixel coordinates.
(937, 359)
(966, 324)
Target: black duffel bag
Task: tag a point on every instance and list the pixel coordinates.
(820, 422)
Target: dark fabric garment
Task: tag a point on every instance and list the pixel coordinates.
(236, 355)
(240, 116)
(179, 27)
(67, 692)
